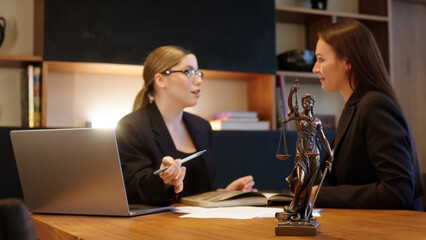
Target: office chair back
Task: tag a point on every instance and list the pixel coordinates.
(15, 222)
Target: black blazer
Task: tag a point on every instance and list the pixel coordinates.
(373, 160)
(143, 140)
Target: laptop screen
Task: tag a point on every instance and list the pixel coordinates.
(70, 171)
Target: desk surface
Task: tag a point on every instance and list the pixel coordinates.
(335, 224)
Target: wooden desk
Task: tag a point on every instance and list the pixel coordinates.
(335, 224)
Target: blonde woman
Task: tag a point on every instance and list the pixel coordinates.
(159, 132)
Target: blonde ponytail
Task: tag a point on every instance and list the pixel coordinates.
(158, 61)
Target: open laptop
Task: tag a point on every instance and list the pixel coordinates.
(73, 171)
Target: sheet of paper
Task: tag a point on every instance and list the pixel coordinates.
(230, 212)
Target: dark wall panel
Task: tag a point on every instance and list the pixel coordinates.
(234, 35)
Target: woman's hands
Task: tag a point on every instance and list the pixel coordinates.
(174, 175)
(244, 184)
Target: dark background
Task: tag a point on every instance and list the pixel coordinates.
(233, 35)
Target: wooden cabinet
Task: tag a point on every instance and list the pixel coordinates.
(14, 61)
(260, 87)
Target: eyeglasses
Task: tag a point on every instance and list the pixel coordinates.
(189, 72)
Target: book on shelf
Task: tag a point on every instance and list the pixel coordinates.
(237, 198)
(24, 98)
(282, 101)
(37, 97)
(236, 115)
(239, 125)
(27, 96)
(281, 84)
(30, 96)
(280, 107)
(235, 119)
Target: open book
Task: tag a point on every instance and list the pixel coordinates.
(237, 198)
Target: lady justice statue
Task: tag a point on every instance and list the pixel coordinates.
(296, 219)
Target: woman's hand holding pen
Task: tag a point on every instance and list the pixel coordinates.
(244, 184)
(174, 175)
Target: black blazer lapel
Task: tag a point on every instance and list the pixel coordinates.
(163, 138)
(344, 121)
(202, 142)
(196, 133)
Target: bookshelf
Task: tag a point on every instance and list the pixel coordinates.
(260, 87)
(257, 84)
(303, 76)
(17, 61)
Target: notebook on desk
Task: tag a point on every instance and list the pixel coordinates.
(73, 171)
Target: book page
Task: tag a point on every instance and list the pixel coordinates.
(216, 196)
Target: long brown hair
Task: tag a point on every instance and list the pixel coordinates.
(158, 61)
(353, 40)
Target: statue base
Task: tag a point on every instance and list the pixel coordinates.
(289, 228)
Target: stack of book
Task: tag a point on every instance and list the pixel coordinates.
(238, 120)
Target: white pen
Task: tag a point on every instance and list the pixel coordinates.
(192, 156)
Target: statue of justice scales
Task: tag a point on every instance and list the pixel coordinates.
(296, 218)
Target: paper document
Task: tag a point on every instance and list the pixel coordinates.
(229, 212)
